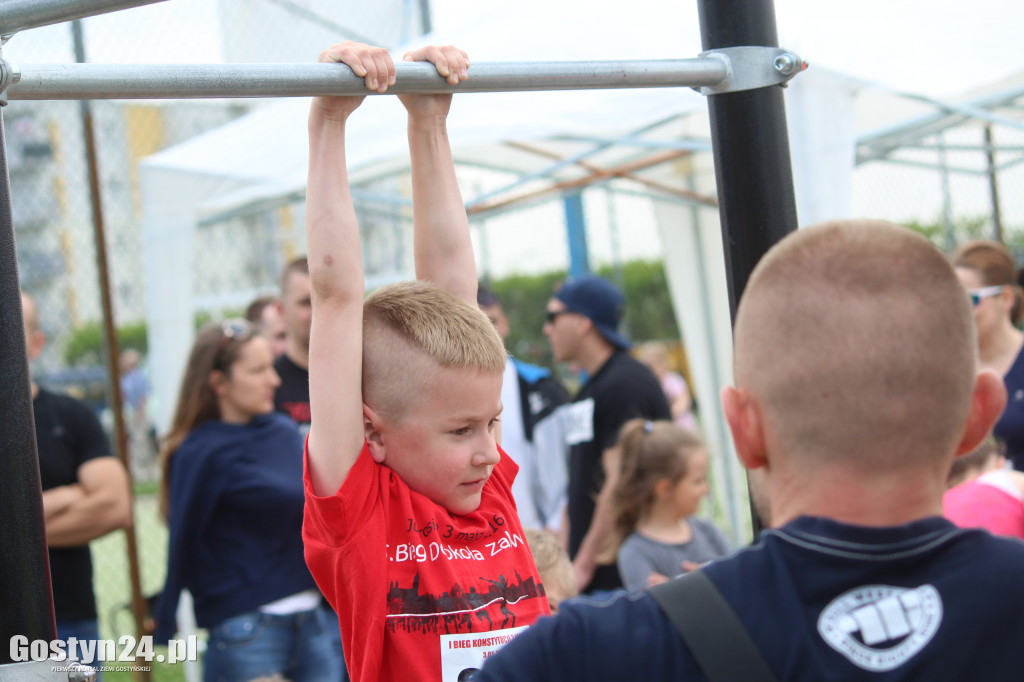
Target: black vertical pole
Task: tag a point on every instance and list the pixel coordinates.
(750, 141)
(26, 605)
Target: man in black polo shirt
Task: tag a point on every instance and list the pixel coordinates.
(296, 305)
(582, 326)
(85, 493)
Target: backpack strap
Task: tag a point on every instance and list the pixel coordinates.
(711, 630)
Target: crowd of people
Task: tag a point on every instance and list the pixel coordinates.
(372, 486)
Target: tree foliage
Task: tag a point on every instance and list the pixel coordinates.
(524, 298)
(84, 346)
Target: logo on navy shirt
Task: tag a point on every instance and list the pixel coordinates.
(879, 627)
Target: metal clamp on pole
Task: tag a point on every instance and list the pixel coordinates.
(9, 74)
(750, 68)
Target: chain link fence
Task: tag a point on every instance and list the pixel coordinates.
(941, 184)
(56, 235)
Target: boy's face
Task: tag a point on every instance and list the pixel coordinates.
(444, 446)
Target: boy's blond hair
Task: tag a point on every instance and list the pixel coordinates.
(859, 343)
(553, 565)
(410, 329)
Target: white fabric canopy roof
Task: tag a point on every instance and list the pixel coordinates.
(934, 48)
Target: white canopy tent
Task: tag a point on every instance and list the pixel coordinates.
(260, 159)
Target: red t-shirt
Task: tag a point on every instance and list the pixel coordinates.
(413, 585)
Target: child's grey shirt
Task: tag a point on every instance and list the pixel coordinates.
(639, 556)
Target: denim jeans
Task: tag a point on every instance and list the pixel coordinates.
(300, 647)
(83, 631)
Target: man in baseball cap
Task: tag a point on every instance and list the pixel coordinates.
(583, 327)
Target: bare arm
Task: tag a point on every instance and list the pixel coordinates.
(101, 504)
(336, 274)
(601, 524)
(442, 245)
(57, 500)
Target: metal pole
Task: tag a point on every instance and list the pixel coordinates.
(990, 155)
(26, 604)
(756, 200)
(193, 81)
(110, 333)
(18, 15)
(948, 228)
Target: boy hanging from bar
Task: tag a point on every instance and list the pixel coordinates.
(410, 527)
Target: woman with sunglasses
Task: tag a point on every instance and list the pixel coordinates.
(233, 499)
(989, 273)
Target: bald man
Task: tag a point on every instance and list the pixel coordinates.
(857, 384)
(85, 492)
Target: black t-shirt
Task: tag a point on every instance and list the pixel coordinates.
(621, 390)
(292, 396)
(68, 434)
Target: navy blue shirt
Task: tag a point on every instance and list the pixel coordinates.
(1010, 427)
(822, 601)
(235, 525)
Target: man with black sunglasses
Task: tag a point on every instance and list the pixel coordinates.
(582, 325)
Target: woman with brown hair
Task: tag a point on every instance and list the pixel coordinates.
(989, 273)
(233, 498)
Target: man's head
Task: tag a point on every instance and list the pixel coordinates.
(584, 312)
(296, 307)
(265, 315)
(35, 339)
(490, 304)
(432, 368)
(855, 351)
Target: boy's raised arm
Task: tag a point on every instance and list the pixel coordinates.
(336, 274)
(442, 245)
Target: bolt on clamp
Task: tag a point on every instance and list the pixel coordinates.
(753, 67)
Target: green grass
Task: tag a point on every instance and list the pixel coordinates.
(112, 582)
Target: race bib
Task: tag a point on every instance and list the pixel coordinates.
(579, 422)
(463, 655)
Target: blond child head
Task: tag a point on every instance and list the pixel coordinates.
(554, 567)
(432, 369)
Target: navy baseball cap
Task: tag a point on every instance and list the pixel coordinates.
(598, 300)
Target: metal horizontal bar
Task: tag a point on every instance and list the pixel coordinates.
(19, 15)
(963, 147)
(694, 145)
(196, 81)
(921, 164)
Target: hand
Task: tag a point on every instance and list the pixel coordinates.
(371, 63)
(656, 579)
(451, 63)
(691, 566)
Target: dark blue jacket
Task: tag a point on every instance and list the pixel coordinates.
(822, 601)
(235, 521)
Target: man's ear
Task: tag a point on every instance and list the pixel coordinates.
(987, 403)
(744, 416)
(36, 341)
(371, 431)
